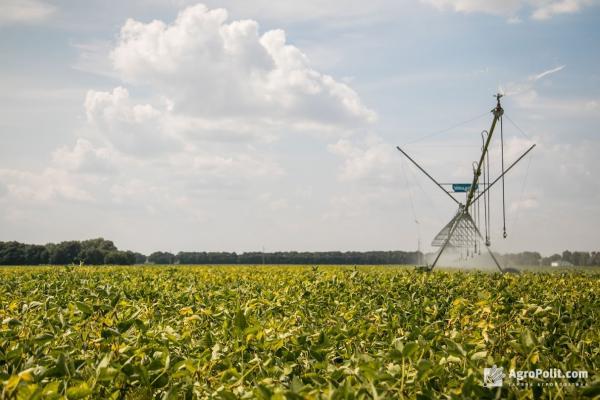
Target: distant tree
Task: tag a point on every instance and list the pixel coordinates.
(117, 257)
(581, 258)
(252, 258)
(567, 256)
(222, 258)
(36, 254)
(192, 257)
(100, 244)
(94, 251)
(12, 253)
(92, 256)
(160, 257)
(140, 258)
(65, 253)
(525, 258)
(530, 258)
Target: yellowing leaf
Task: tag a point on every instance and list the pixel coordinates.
(186, 311)
(27, 375)
(79, 392)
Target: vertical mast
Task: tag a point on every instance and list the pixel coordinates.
(498, 111)
(463, 215)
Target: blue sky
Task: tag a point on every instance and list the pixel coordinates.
(275, 126)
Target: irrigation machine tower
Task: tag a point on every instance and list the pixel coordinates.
(463, 231)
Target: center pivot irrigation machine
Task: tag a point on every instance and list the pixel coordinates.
(463, 231)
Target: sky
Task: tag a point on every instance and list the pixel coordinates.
(251, 125)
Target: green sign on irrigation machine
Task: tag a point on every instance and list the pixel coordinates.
(461, 187)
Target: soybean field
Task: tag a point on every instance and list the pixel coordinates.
(293, 332)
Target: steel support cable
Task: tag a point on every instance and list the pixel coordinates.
(474, 237)
(428, 175)
(514, 218)
(427, 196)
(472, 243)
(474, 214)
(476, 217)
(485, 194)
(412, 204)
(503, 196)
(471, 238)
(489, 197)
(489, 186)
(429, 135)
(517, 126)
(477, 214)
(484, 204)
(478, 223)
(485, 210)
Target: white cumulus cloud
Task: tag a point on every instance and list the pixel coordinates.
(547, 9)
(84, 157)
(374, 161)
(210, 68)
(51, 184)
(133, 128)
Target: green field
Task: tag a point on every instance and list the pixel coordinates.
(291, 332)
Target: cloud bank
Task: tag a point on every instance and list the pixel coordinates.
(201, 100)
(538, 9)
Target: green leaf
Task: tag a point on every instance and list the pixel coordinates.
(109, 332)
(226, 395)
(79, 392)
(43, 337)
(104, 372)
(240, 320)
(12, 322)
(84, 308)
(592, 391)
(123, 326)
(409, 349)
(29, 392)
(527, 340)
(424, 369)
(51, 390)
(480, 355)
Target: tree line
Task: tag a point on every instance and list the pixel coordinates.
(101, 251)
(288, 257)
(577, 258)
(92, 252)
(526, 258)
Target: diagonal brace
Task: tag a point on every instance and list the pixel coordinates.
(456, 220)
(429, 176)
(504, 173)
